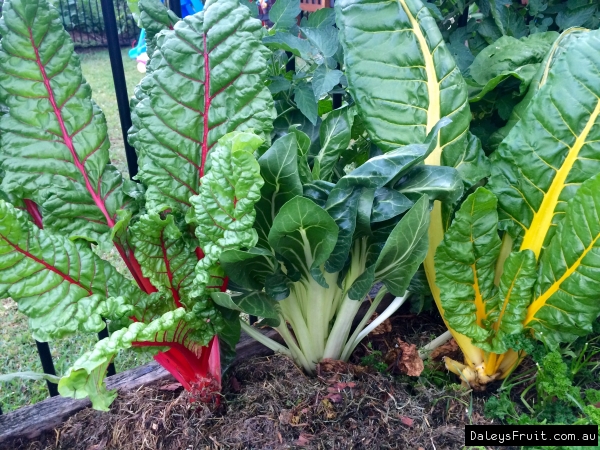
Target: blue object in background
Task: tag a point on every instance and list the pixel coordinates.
(188, 7)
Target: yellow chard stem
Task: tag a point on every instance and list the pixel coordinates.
(473, 355)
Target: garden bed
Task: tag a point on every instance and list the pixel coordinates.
(270, 403)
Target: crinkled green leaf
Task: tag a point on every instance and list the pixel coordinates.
(169, 131)
(507, 310)
(465, 263)
(279, 170)
(402, 77)
(304, 234)
(554, 148)
(565, 301)
(62, 286)
(224, 209)
(86, 377)
(155, 17)
(163, 254)
(53, 141)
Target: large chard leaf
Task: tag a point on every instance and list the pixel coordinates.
(465, 263)
(62, 286)
(224, 209)
(155, 17)
(509, 57)
(536, 83)
(402, 76)
(565, 301)
(163, 254)
(175, 330)
(207, 79)
(54, 142)
(554, 147)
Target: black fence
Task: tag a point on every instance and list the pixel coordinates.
(84, 21)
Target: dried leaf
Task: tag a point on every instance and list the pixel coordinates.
(171, 387)
(409, 362)
(382, 328)
(286, 416)
(407, 421)
(334, 397)
(303, 440)
(449, 349)
(328, 366)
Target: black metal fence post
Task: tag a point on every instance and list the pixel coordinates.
(116, 64)
(175, 6)
(46, 358)
(110, 371)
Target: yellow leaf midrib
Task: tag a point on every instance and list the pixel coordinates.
(542, 220)
(539, 302)
(433, 87)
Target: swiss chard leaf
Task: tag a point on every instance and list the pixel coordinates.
(405, 249)
(206, 80)
(402, 98)
(154, 18)
(175, 330)
(304, 234)
(279, 170)
(54, 142)
(554, 148)
(62, 286)
(565, 301)
(163, 254)
(224, 209)
(465, 263)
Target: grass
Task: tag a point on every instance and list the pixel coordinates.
(18, 352)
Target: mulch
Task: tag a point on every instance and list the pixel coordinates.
(268, 403)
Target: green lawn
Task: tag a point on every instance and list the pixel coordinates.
(17, 348)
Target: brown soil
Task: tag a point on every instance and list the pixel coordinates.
(270, 404)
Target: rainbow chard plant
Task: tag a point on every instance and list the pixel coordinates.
(546, 178)
(199, 182)
(520, 255)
